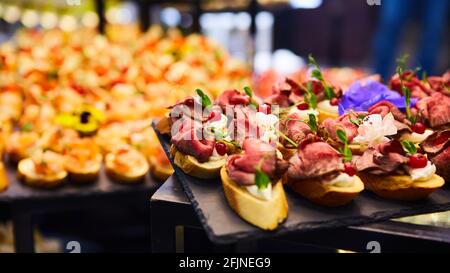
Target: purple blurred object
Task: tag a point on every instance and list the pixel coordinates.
(362, 95)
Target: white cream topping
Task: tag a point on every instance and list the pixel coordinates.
(325, 105)
(374, 130)
(415, 137)
(304, 114)
(216, 156)
(342, 180)
(422, 174)
(263, 193)
(268, 125)
(217, 128)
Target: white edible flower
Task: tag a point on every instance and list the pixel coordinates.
(374, 129)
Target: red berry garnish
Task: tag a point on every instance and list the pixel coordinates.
(418, 128)
(349, 169)
(334, 101)
(221, 148)
(213, 116)
(265, 108)
(303, 106)
(417, 161)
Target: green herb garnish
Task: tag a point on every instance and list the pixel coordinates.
(401, 66)
(312, 122)
(27, 127)
(345, 151)
(206, 101)
(232, 142)
(261, 179)
(424, 77)
(287, 139)
(310, 97)
(317, 74)
(409, 147)
(359, 119)
(248, 91)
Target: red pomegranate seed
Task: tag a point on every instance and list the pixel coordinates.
(334, 101)
(303, 106)
(221, 148)
(418, 128)
(265, 108)
(213, 116)
(417, 161)
(349, 169)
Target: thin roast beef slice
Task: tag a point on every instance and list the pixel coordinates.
(190, 140)
(257, 154)
(436, 142)
(442, 162)
(330, 126)
(294, 128)
(440, 84)
(437, 110)
(232, 97)
(279, 97)
(187, 108)
(385, 107)
(417, 88)
(314, 159)
(244, 124)
(383, 159)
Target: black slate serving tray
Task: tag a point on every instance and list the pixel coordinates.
(222, 225)
(19, 192)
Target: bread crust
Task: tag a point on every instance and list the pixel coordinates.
(323, 193)
(191, 166)
(266, 215)
(400, 187)
(25, 175)
(123, 178)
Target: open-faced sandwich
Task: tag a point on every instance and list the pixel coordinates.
(397, 171)
(366, 129)
(323, 175)
(43, 169)
(196, 154)
(200, 139)
(83, 160)
(252, 184)
(292, 131)
(125, 164)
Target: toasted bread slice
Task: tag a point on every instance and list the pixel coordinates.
(325, 194)
(263, 214)
(133, 176)
(191, 166)
(158, 171)
(323, 115)
(27, 174)
(84, 175)
(400, 187)
(4, 182)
